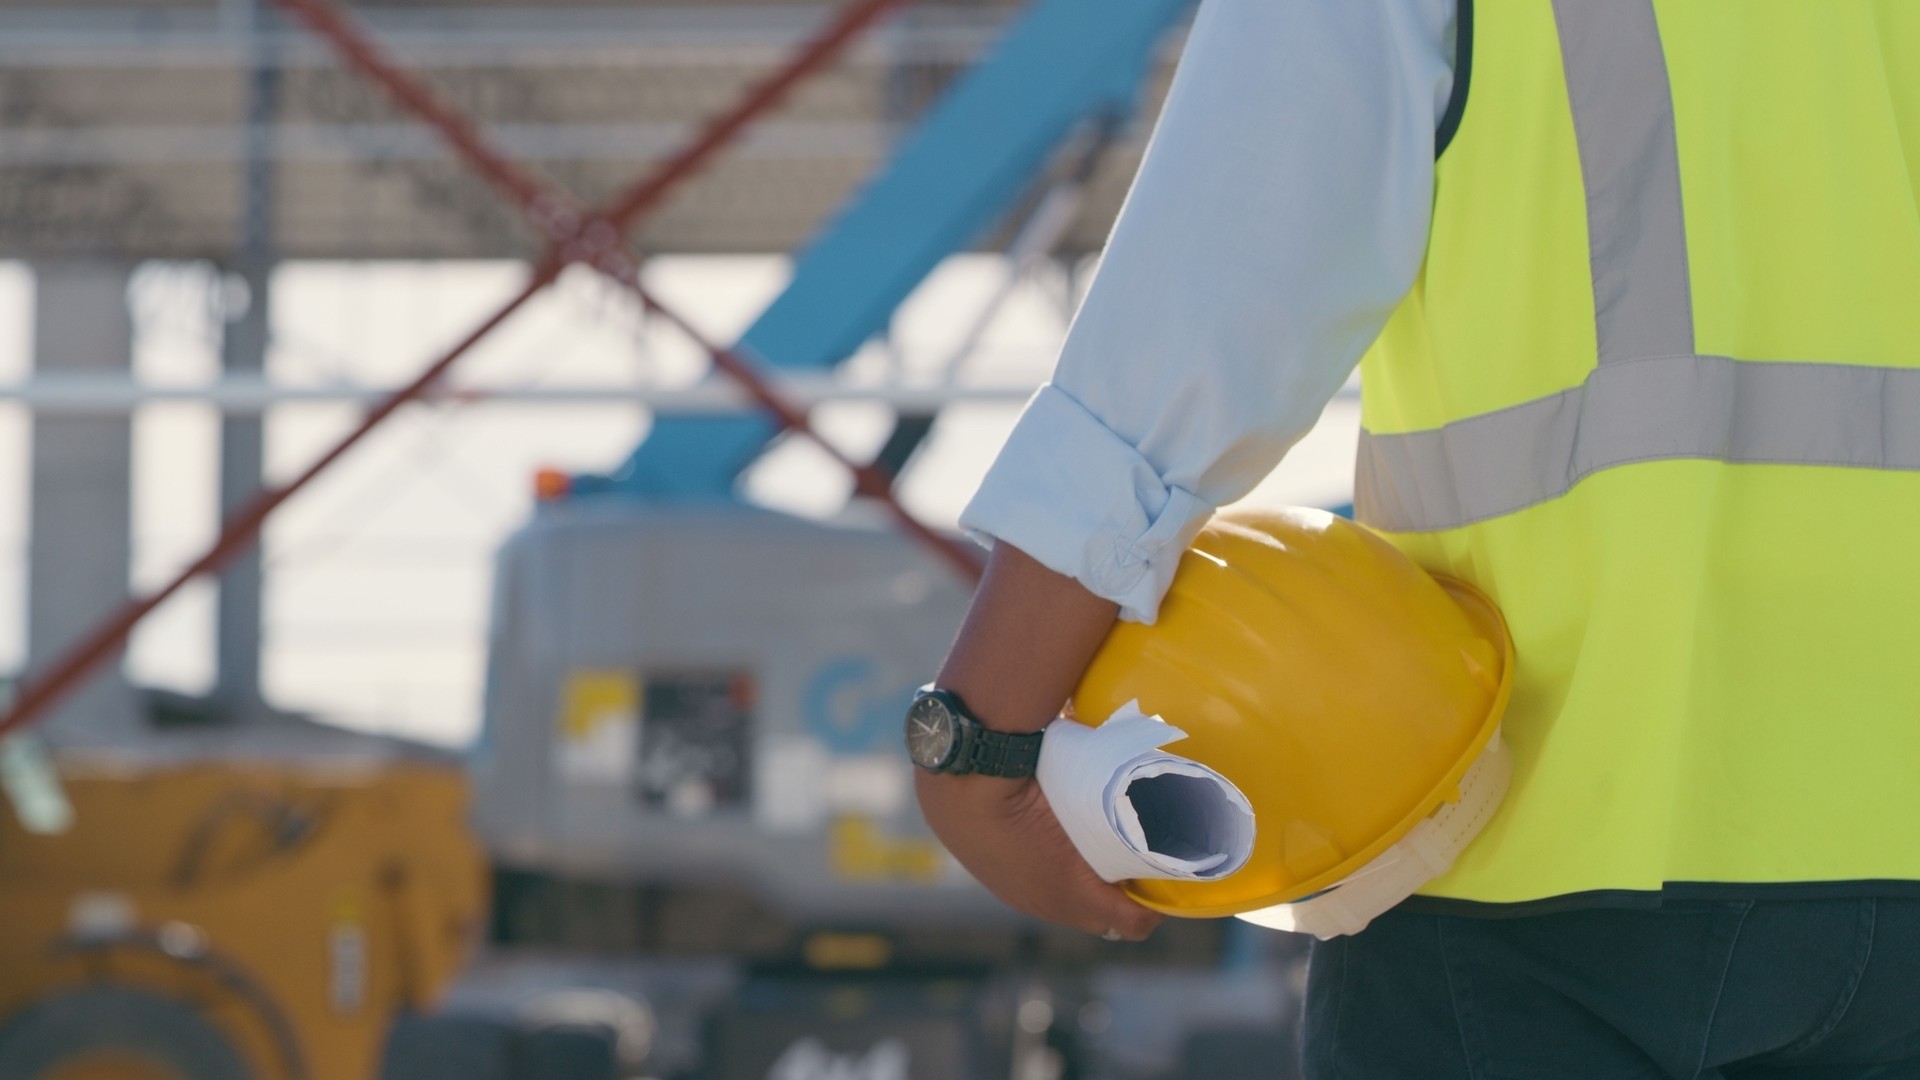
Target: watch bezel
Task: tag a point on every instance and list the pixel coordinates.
(955, 723)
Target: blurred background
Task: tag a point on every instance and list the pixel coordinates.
(553, 731)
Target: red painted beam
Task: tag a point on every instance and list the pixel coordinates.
(532, 194)
(869, 480)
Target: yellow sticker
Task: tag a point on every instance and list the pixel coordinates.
(347, 907)
(859, 851)
(593, 697)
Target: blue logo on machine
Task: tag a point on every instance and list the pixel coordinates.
(852, 708)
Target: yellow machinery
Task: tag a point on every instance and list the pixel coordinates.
(232, 920)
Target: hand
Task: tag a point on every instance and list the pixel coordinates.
(1005, 834)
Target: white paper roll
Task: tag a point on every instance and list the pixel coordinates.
(1133, 810)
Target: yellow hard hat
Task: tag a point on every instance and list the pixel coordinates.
(1340, 687)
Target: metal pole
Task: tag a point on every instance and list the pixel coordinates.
(79, 530)
(243, 353)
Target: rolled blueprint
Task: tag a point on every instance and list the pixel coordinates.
(1135, 811)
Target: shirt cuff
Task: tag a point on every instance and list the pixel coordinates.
(1082, 501)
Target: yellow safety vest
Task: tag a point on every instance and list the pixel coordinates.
(1657, 391)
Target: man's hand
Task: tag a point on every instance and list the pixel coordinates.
(1027, 639)
(1005, 834)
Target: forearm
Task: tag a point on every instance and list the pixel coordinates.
(1025, 642)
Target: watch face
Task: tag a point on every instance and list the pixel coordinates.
(930, 733)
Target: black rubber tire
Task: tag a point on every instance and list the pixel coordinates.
(449, 1048)
(567, 1053)
(60, 1029)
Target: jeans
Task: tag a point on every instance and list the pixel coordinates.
(1743, 990)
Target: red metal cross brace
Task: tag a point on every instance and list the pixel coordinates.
(597, 238)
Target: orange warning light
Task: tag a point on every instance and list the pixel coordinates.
(550, 485)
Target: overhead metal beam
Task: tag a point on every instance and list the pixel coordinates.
(684, 35)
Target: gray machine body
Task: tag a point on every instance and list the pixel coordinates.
(712, 695)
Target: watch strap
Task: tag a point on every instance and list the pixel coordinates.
(1002, 754)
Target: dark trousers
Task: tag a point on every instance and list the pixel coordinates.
(1748, 990)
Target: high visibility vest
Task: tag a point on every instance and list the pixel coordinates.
(1657, 392)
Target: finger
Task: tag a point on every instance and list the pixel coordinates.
(1101, 909)
(1128, 919)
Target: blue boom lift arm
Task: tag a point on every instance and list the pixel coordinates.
(1063, 65)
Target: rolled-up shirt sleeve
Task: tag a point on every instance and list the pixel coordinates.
(1279, 217)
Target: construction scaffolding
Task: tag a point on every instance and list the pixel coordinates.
(128, 125)
(572, 234)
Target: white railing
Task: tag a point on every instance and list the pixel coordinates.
(77, 395)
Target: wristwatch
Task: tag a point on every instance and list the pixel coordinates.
(944, 737)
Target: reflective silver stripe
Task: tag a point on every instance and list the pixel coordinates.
(1616, 73)
(1650, 397)
(1707, 407)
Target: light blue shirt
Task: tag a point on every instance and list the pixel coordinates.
(1279, 217)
